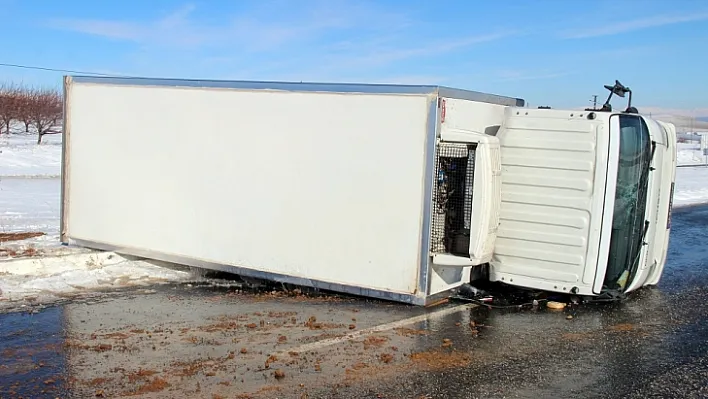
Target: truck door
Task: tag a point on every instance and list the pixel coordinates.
(554, 169)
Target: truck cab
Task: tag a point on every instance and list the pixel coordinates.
(585, 201)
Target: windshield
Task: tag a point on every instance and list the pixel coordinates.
(629, 222)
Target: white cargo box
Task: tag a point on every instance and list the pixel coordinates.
(384, 191)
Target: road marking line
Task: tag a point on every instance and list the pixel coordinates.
(380, 328)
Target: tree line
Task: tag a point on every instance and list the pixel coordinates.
(30, 110)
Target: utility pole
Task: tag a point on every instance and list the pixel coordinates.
(594, 101)
(693, 119)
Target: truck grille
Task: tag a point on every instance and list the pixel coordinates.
(452, 198)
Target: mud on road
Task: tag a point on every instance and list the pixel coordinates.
(179, 341)
(186, 341)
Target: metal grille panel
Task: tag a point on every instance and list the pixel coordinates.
(452, 198)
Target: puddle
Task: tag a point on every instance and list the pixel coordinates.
(32, 357)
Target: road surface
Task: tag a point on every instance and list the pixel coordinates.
(217, 342)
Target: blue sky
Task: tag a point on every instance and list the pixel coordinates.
(550, 52)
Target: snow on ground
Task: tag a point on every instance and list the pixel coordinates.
(30, 185)
(691, 186)
(690, 154)
(29, 202)
(46, 279)
(20, 156)
(30, 205)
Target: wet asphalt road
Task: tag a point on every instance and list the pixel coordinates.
(181, 341)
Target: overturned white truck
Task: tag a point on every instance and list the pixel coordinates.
(395, 192)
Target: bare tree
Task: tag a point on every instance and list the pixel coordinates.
(44, 111)
(24, 104)
(39, 108)
(9, 106)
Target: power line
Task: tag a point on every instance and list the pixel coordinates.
(2, 64)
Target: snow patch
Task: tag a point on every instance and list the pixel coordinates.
(50, 278)
(30, 205)
(691, 186)
(20, 156)
(690, 154)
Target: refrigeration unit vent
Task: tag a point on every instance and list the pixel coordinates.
(452, 198)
